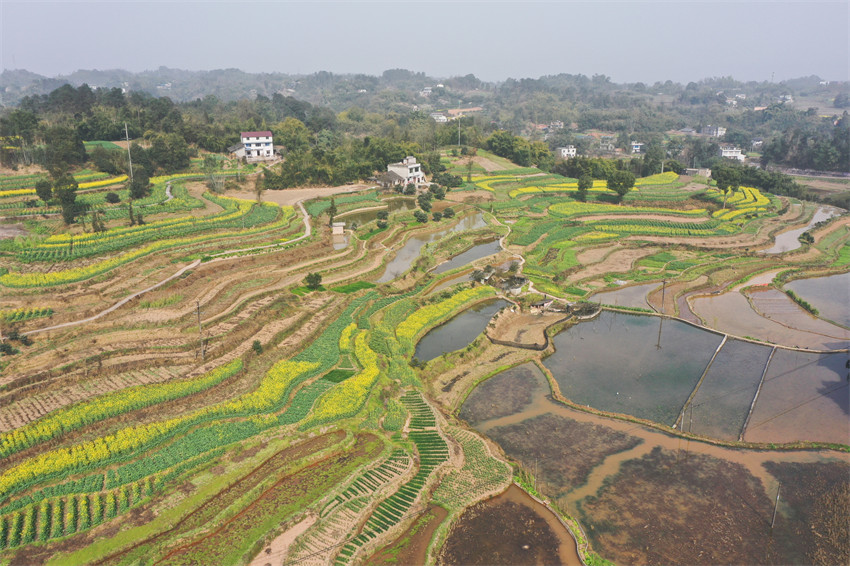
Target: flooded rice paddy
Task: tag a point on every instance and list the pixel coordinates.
(363, 216)
(636, 365)
(470, 255)
(805, 396)
(829, 295)
(647, 497)
(720, 406)
(408, 253)
(458, 332)
(789, 241)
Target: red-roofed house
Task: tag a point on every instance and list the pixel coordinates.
(256, 146)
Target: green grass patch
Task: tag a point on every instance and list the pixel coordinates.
(338, 375)
(354, 287)
(304, 290)
(160, 303)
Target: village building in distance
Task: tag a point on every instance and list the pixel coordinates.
(255, 146)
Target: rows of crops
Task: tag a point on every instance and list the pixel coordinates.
(66, 246)
(433, 452)
(73, 275)
(481, 473)
(24, 314)
(570, 209)
(348, 397)
(71, 418)
(62, 516)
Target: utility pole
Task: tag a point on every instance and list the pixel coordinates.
(458, 132)
(200, 331)
(129, 158)
(663, 289)
(775, 506)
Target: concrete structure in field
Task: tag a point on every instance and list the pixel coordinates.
(338, 228)
(439, 118)
(732, 152)
(408, 169)
(566, 152)
(713, 131)
(698, 172)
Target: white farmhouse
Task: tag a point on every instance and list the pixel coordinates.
(732, 152)
(565, 152)
(257, 146)
(408, 169)
(713, 131)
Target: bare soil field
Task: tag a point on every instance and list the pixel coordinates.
(523, 328)
(291, 196)
(618, 261)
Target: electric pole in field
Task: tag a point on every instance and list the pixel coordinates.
(129, 158)
(200, 331)
(775, 506)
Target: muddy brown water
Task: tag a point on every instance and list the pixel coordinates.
(629, 500)
(511, 528)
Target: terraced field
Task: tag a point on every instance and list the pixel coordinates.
(173, 393)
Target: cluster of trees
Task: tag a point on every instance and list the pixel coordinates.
(732, 175)
(520, 150)
(823, 147)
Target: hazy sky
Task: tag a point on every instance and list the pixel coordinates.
(628, 41)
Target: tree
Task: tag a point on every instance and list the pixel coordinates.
(139, 185)
(420, 216)
(44, 190)
(313, 281)
(621, 182)
(585, 183)
(213, 173)
(727, 178)
(383, 214)
(112, 198)
(258, 188)
(97, 224)
(448, 212)
(331, 212)
(437, 216)
(65, 189)
(424, 202)
(410, 189)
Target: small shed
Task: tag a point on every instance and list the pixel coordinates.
(338, 228)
